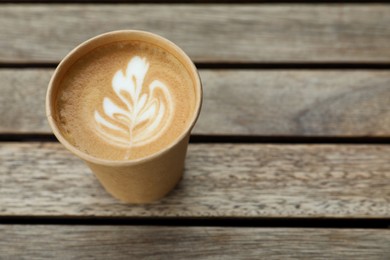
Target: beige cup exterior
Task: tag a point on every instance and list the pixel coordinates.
(144, 182)
(135, 181)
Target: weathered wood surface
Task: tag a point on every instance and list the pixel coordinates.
(242, 102)
(155, 242)
(208, 32)
(221, 180)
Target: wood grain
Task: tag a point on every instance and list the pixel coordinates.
(155, 242)
(242, 102)
(221, 180)
(208, 32)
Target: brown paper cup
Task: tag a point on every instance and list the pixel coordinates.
(134, 181)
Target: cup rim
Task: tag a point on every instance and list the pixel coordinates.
(90, 158)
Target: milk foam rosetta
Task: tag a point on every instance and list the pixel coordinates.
(125, 100)
(145, 116)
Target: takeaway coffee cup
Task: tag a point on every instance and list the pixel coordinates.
(125, 103)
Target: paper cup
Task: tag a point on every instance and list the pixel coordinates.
(141, 180)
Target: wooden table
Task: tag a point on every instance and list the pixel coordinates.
(289, 159)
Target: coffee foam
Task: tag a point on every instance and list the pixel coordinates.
(125, 100)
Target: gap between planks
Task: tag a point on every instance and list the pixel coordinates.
(277, 222)
(230, 139)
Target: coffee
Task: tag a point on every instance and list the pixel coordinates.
(125, 100)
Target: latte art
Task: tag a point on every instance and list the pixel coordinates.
(147, 109)
(125, 100)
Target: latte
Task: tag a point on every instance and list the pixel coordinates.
(124, 100)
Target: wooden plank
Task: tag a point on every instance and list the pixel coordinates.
(156, 242)
(208, 32)
(22, 102)
(242, 102)
(221, 180)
